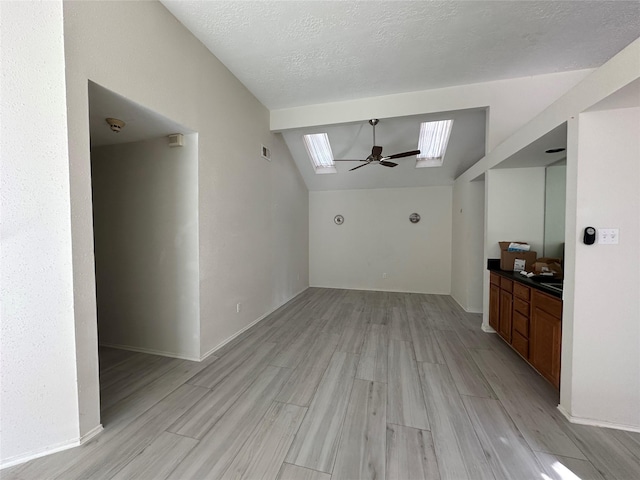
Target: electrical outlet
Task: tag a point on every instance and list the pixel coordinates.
(608, 236)
(238, 307)
(384, 275)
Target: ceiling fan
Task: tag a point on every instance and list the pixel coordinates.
(376, 153)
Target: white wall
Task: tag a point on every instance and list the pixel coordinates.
(601, 322)
(253, 214)
(377, 237)
(554, 210)
(39, 409)
(467, 266)
(145, 216)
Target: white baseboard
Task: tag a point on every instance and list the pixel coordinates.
(149, 350)
(366, 289)
(467, 309)
(473, 310)
(487, 328)
(42, 452)
(210, 352)
(598, 423)
(10, 462)
(91, 433)
(257, 320)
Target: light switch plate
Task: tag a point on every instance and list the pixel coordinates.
(608, 236)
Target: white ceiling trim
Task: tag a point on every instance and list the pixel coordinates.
(462, 97)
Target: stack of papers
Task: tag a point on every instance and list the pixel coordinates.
(518, 247)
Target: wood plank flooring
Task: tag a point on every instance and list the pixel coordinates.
(340, 384)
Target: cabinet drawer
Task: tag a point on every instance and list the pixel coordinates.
(494, 278)
(521, 324)
(520, 344)
(521, 306)
(547, 303)
(506, 284)
(521, 291)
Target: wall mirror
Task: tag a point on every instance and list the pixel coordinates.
(554, 208)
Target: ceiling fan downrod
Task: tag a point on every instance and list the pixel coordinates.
(373, 122)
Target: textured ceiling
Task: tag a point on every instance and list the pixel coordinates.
(294, 53)
(291, 53)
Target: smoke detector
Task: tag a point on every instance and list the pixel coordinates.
(115, 124)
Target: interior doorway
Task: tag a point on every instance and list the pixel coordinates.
(144, 178)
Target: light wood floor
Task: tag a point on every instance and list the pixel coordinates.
(340, 384)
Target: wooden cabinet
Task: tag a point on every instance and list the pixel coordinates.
(504, 327)
(494, 306)
(530, 321)
(521, 315)
(546, 336)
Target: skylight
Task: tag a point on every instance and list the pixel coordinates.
(319, 151)
(434, 137)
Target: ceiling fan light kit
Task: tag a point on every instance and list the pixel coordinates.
(376, 153)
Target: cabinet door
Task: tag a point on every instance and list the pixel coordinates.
(504, 328)
(494, 307)
(544, 344)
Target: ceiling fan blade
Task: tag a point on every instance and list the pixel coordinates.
(349, 160)
(404, 154)
(359, 166)
(387, 164)
(376, 151)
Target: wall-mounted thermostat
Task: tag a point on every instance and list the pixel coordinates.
(589, 236)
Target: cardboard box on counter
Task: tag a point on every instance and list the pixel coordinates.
(547, 265)
(508, 259)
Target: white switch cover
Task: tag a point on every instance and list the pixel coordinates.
(608, 236)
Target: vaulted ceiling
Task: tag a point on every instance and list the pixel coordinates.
(295, 53)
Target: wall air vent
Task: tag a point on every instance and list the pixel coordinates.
(176, 140)
(265, 153)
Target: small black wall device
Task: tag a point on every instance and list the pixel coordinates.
(589, 236)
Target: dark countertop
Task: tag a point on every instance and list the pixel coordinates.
(493, 265)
